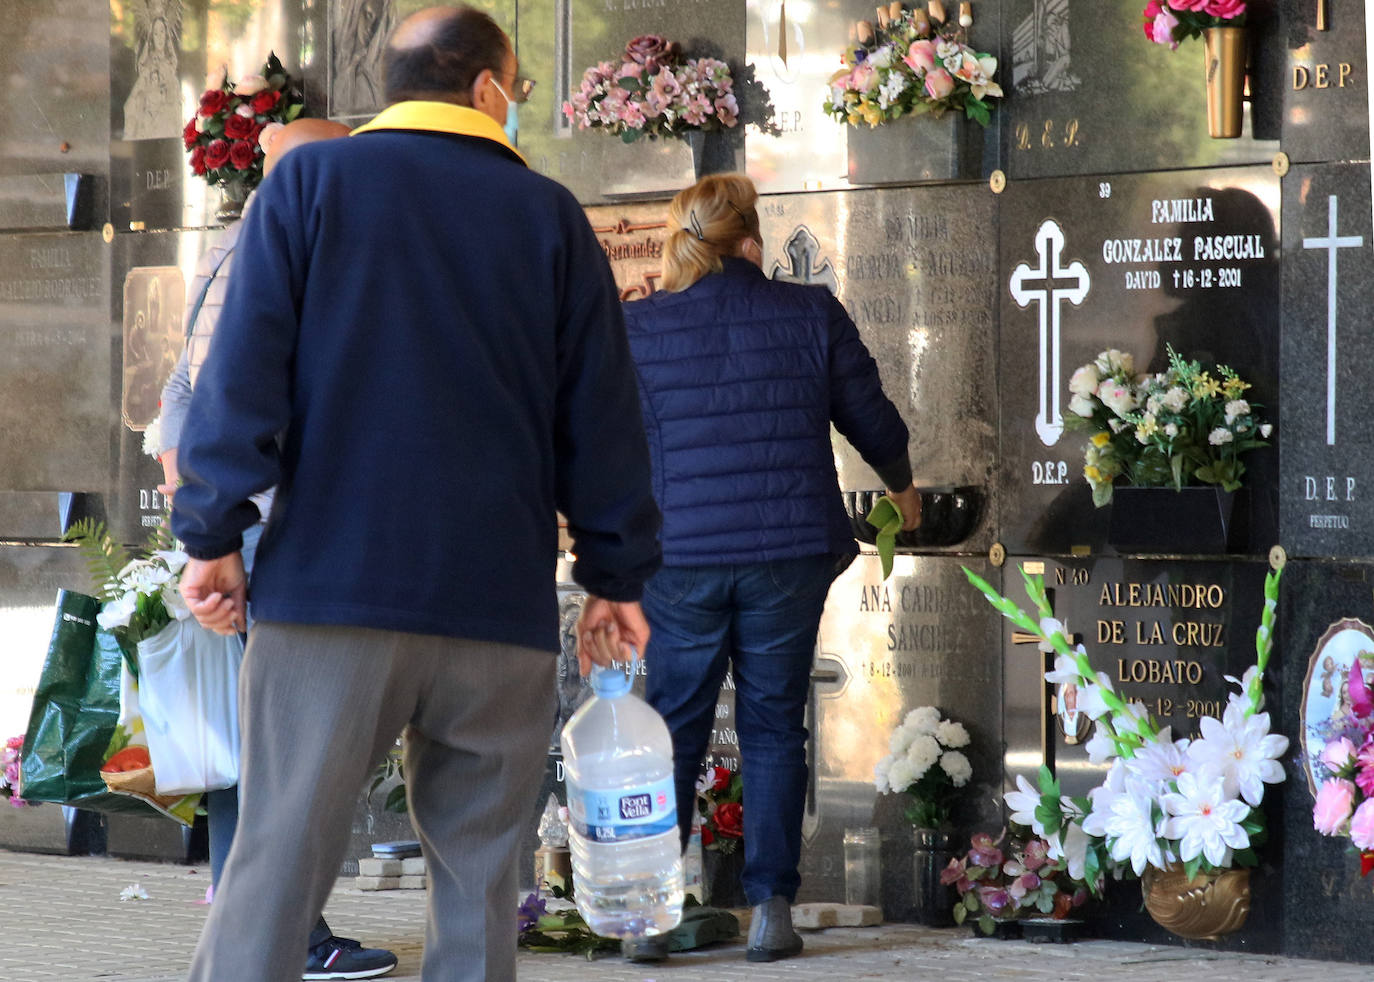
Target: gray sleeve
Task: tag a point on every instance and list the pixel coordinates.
(176, 398)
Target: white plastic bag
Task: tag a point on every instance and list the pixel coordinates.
(188, 681)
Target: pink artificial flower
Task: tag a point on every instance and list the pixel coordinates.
(1164, 29)
(1152, 10)
(920, 57)
(1036, 854)
(967, 66)
(995, 899)
(630, 69)
(863, 76)
(1226, 9)
(569, 111)
(727, 109)
(1338, 755)
(1332, 810)
(632, 116)
(1188, 4)
(1361, 700)
(984, 851)
(1364, 779)
(695, 113)
(666, 84)
(939, 83)
(1362, 826)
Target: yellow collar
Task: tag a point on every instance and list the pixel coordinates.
(438, 117)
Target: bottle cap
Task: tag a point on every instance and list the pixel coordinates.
(610, 682)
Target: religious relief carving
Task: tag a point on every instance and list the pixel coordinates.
(1332, 243)
(1040, 51)
(805, 266)
(1047, 286)
(154, 302)
(357, 38)
(153, 107)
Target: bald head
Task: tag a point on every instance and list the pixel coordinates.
(439, 54)
(294, 134)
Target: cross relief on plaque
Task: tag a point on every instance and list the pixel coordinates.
(1332, 243)
(1048, 286)
(803, 250)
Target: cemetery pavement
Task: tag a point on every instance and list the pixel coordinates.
(62, 920)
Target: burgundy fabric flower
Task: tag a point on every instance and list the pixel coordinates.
(241, 154)
(237, 127)
(265, 101)
(730, 820)
(217, 154)
(198, 161)
(213, 101)
(651, 51)
(190, 134)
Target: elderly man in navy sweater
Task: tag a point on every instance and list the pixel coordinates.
(422, 349)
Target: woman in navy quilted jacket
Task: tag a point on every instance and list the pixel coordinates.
(740, 380)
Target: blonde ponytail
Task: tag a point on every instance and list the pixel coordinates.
(706, 221)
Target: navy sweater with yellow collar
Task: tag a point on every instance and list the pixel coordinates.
(422, 347)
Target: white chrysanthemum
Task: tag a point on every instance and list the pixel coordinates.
(923, 719)
(1175, 399)
(880, 775)
(902, 774)
(957, 766)
(951, 734)
(1219, 436)
(901, 739)
(1235, 409)
(923, 752)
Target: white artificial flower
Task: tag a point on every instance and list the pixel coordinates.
(117, 613)
(1242, 751)
(1090, 698)
(1175, 399)
(901, 739)
(244, 109)
(923, 719)
(1161, 761)
(174, 602)
(882, 57)
(1171, 430)
(1242, 698)
(215, 79)
(1023, 802)
(1101, 748)
(880, 776)
(1065, 671)
(1085, 381)
(1049, 627)
(1117, 397)
(1112, 360)
(1235, 409)
(250, 85)
(1153, 405)
(951, 734)
(1130, 828)
(1266, 429)
(1081, 405)
(923, 753)
(901, 775)
(1074, 848)
(134, 891)
(956, 765)
(1204, 819)
(946, 50)
(174, 558)
(152, 438)
(1219, 436)
(891, 90)
(1101, 797)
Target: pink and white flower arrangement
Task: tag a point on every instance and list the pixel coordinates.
(997, 884)
(9, 770)
(1184, 426)
(1345, 800)
(1194, 803)
(928, 763)
(655, 92)
(1171, 21)
(908, 66)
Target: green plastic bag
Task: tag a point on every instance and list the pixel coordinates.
(75, 713)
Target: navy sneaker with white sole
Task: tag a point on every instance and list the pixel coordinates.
(343, 958)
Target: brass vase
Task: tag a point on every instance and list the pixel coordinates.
(1227, 54)
(1203, 908)
(233, 197)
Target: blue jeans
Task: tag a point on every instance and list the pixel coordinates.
(758, 620)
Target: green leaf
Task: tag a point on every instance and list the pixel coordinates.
(971, 903)
(960, 913)
(986, 925)
(396, 800)
(294, 110)
(886, 517)
(1048, 784)
(1190, 868)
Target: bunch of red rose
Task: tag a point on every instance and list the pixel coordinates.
(224, 137)
(720, 802)
(1171, 21)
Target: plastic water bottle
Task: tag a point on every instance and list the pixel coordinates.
(622, 809)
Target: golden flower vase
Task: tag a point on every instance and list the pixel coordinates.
(1227, 54)
(1203, 908)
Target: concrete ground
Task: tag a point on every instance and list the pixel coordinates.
(62, 920)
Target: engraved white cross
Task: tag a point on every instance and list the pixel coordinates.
(1331, 242)
(1059, 282)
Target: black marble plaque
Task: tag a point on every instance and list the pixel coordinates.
(55, 376)
(1326, 83)
(54, 85)
(1088, 94)
(1326, 901)
(924, 637)
(29, 516)
(556, 42)
(1123, 262)
(1167, 634)
(1325, 503)
(915, 269)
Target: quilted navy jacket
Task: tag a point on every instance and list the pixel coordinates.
(740, 378)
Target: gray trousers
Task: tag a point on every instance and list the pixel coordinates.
(319, 707)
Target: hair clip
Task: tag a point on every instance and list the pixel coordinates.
(694, 225)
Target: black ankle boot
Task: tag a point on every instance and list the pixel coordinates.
(770, 932)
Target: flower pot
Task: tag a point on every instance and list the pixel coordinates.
(934, 902)
(1047, 930)
(659, 166)
(233, 196)
(722, 873)
(1227, 52)
(1205, 520)
(1002, 930)
(1203, 908)
(916, 149)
